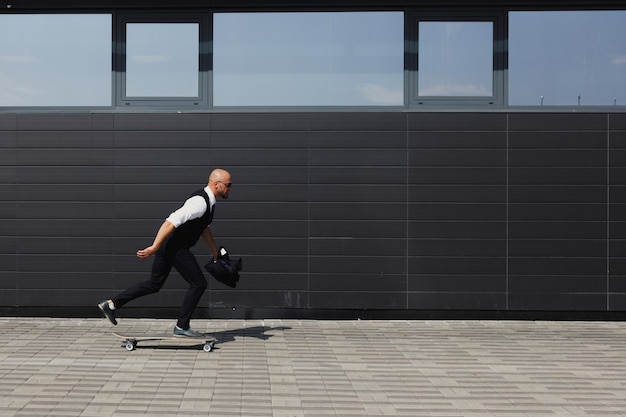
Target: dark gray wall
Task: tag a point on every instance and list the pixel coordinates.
(399, 212)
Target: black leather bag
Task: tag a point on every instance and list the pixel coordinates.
(225, 270)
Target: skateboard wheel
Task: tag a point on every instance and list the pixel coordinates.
(207, 347)
(130, 346)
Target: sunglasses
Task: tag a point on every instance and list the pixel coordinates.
(227, 184)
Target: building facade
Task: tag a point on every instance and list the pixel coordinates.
(435, 205)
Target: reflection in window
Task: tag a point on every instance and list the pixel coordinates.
(55, 60)
(162, 59)
(350, 58)
(567, 58)
(455, 59)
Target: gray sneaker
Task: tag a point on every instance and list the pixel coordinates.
(106, 310)
(186, 333)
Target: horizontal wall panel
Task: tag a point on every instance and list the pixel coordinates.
(358, 264)
(457, 283)
(162, 140)
(357, 140)
(254, 157)
(617, 122)
(357, 157)
(65, 263)
(357, 229)
(466, 141)
(357, 122)
(8, 122)
(452, 193)
(557, 266)
(573, 248)
(617, 265)
(457, 121)
(557, 284)
(458, 157)
(557, 176)
(175, 122)
(84, 193)
(64, 245)
(557, 212)
(64, 121)
(357, 211)
(260, 281)
(66, 210)
(617, 284)
(357, 247)
(557, 302)
(61, 227)
(66, 140)
(262, 210)
(65, 280)
(58, 175)
(457, 211)
(158, 157)
(64, 157)
(557, 230)
(557, 194)
(367, 282)
(492, 248)
(558, 157)
(259, 140)
(557, 122)
(464, 301)
(255, 299)
(8, 283)
(8, 262)
(259, 122)
(8, 193)
(447, 265)
(460, 230)
(358, 175)
(338, 300)
(354, 193)
(457, 175)
(566, 142)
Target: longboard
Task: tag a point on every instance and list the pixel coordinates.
(130, 340)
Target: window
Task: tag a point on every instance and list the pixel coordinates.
(308, 59)
(567, 58)
(456, 60)
(55, 60)
(164, 61)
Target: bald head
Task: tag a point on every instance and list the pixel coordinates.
(220, 182)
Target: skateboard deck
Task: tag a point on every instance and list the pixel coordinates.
(130, 341)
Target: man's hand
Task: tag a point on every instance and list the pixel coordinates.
(146, 253)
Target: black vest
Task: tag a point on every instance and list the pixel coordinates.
(187, 234)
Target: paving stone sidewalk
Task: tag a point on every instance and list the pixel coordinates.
(297, 368)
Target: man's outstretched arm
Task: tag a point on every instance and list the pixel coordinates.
(165, 230)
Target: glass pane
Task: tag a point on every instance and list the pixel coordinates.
(455, 59)
(162, 59)
(55, 60)
(291, 59)
(567, 58)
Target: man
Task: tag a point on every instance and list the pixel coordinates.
(171, 248)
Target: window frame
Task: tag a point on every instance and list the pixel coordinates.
(499, 63)
(203, 100)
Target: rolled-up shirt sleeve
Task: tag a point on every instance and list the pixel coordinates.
(193, 208)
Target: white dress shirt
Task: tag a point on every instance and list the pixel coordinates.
(193, 208)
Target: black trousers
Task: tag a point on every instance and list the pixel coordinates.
(186, 264)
